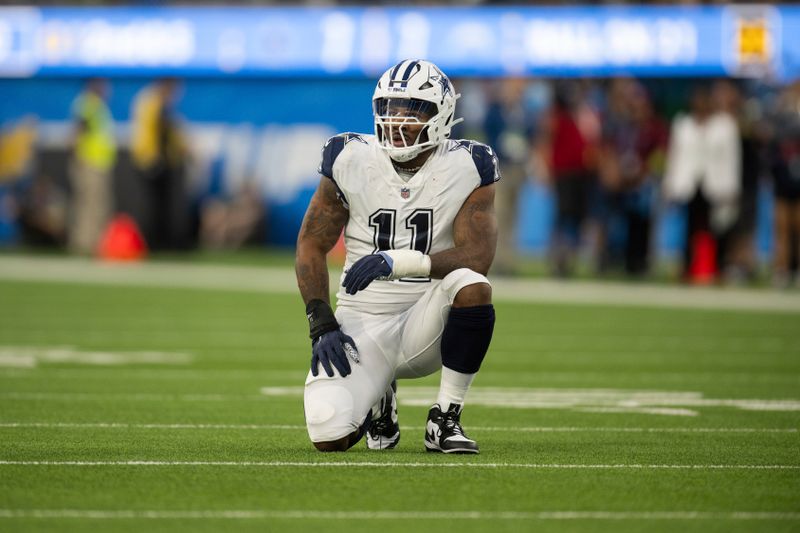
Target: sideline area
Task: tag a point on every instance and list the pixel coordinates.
(282, 280)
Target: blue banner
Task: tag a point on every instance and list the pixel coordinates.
(347, 42)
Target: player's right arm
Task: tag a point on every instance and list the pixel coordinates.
(325, 218)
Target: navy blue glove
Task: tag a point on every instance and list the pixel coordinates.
(329, 346)
(366, 270)
(332, 348)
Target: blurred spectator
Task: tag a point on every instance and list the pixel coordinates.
(41, 216)
(704, 174)
(631, 163)
(510, 126)
(570, 157)
(43, 212)
(616, 121)
(17, 150)
(91, 178)
(741, 261)
(786, 173)
(228, 224)
(159, 154)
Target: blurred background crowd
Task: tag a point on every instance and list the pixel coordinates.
(620, 155)
(608, 175)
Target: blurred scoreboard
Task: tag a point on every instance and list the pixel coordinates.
(355, 42)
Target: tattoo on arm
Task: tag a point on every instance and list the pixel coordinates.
(474, 236)
(324, 220)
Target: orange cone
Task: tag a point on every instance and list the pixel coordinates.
(122, 241)
(703, 269)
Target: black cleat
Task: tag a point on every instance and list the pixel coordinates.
(444, 433)
(384, 432)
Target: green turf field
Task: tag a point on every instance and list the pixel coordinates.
(158, 409)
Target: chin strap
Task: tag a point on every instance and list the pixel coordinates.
(401, 157)
(396, 163)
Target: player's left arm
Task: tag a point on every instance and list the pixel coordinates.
(474, 236)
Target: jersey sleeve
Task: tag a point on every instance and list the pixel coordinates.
(485, 161)
(333, 147)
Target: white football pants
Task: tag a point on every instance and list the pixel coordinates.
(390, 346)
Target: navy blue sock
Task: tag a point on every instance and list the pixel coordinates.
(466, 337)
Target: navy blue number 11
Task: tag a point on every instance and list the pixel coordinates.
(420, 223)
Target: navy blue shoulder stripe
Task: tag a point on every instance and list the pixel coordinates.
(486, 162)
(484, 158)
(333, 147)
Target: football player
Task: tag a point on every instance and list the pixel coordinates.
(420, 233)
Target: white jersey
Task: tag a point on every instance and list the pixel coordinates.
(390, 213)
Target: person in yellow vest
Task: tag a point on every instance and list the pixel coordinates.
(159, 154)
(91, 173)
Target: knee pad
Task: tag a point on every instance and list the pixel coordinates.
(329, 411)
(460, 278)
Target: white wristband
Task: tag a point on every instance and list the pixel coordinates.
(409, 264)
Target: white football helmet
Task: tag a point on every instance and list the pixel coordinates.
(411, 93)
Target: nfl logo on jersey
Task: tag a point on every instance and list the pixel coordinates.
(405, 192)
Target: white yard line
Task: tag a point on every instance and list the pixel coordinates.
(368, 464)
(282, 280)
(121, 425)
(535, 429)
(167, 373)
(392, 515)
(637, 430)
(135, 396)
(148, 274)
(31, 356)
(654, 402)
(163, 373)
(593, 400)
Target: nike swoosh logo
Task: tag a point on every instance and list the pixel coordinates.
(431, 436)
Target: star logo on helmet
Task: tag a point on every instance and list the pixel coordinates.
(444, 82)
